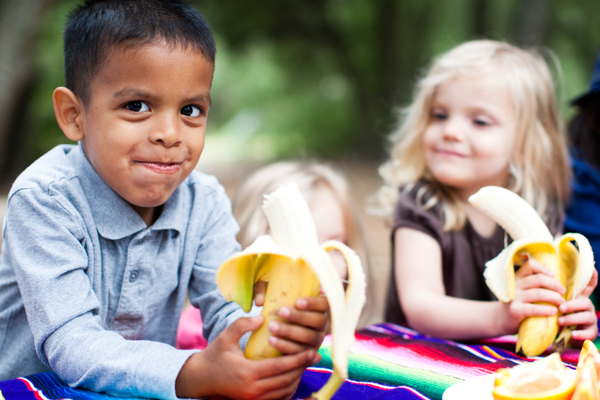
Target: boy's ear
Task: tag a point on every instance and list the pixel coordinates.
(68, 109)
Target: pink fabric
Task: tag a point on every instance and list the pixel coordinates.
(189, 332)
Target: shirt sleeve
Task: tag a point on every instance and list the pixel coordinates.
(409, 213)
(46, 242)
(218, 243)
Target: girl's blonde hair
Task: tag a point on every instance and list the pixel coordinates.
(309, 175)
(540, 166)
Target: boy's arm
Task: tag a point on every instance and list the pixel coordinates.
(46, 247)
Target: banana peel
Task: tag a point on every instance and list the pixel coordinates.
(295, 265)
(570, 257)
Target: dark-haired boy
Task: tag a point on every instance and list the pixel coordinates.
(103, 240)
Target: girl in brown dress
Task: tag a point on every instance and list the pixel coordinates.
(485, 114)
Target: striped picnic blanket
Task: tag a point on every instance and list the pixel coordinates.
(387, 361)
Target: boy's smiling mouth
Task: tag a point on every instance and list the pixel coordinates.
(165, 168)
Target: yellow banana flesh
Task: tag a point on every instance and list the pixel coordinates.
(295, 265)
(289, 281)
(537, 333)
(573, 264)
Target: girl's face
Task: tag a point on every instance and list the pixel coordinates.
(330, 221)
(471, 134)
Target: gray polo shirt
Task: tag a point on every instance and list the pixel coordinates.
(87, 290)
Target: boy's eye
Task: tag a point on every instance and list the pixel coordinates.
(137, 106)
(191, 111)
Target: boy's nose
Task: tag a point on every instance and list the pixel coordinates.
(166, 132)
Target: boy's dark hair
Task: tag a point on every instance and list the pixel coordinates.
(98, 26)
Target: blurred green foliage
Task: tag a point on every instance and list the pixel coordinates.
(324, 77)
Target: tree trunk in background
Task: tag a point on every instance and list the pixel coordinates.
(19, 20)
(531, 28)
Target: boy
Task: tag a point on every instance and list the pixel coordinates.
(103, 240)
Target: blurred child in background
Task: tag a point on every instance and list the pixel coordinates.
(327, 194)
(583, 210)
(485, 114)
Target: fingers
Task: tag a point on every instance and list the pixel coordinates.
(273, 367)
(310, 319)
(583, 318)
(528, 280)
(282, 386)
(524, 310)
(579, 311)
(533, 266)
(536, 295)
(591, 285)
(589, 333)
(317, 303)
(290, 339)
(577, 305)
(235, 331)
(260, 288)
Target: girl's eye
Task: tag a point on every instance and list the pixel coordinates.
(481, 122)
(137, 106)
(191, 111)
(439, 116)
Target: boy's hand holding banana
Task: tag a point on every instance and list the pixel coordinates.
(295, 265)
(569, 257)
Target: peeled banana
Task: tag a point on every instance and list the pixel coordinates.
(295, 265)
(572, 264)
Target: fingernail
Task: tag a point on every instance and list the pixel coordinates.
(272, 340)
(561, 320)
(301, 303)
(273, 326)
(256, 318)
(284, 312)
(317, 358)
(259, 299)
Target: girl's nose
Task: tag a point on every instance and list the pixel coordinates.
(453, 129)
(166, 131)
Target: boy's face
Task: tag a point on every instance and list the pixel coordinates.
(144, 125)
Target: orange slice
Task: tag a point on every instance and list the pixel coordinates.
(542, 379)
(586, 387)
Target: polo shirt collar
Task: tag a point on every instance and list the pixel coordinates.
(114, 217)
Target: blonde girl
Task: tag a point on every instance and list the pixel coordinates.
(484, 114)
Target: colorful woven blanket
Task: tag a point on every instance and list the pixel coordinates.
(387, 361)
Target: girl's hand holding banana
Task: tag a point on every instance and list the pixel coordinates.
(569, 258)
(534, 283)
(580, 312)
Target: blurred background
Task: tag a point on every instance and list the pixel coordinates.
(298, 78)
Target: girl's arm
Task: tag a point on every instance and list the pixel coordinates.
(418, 274)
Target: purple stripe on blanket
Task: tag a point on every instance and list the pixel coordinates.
(314, 378)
